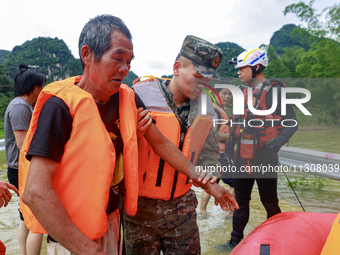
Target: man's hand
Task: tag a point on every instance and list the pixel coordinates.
(222, 197)
(232, 191)
(144, 121)
(5, 194)
(275, 144)
(205, 176)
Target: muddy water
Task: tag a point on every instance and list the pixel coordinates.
(215, 229)
(325, 140)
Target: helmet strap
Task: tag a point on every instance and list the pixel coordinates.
(255, 72)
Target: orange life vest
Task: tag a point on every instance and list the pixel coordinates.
(255, 130)
(266, 132)
(224, 128)
(128, 124)
(83, 177)
(158, 180)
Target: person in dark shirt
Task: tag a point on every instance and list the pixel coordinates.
(106, 52)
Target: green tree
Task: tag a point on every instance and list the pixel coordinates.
(6, 86)
(276, 68)
(322, 31)
(323, 24)
(6, 95)
(3, 55)
(322, 61)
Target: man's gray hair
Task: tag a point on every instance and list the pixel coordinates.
(97, 34)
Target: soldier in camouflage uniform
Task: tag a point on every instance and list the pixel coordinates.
(170, 224)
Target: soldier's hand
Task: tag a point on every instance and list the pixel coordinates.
(232, 191)
(205, 176)
(144, 121)
(223, 197)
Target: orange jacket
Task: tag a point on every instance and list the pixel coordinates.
(158, 180)
(84, 175)
(266, 132)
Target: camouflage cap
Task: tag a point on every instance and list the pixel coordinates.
(205, 56)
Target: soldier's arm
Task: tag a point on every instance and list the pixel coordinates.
(176, 159)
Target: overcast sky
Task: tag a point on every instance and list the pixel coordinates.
(158, 27)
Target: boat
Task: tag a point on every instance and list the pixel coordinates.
(288, 233)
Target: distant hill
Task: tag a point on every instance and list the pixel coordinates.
(6, 95)
(284, 38)
(3, 55)
(229, 50)
(130, 78)
(50, 56)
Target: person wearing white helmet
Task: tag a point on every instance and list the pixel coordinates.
(252, 61)
(257, 144)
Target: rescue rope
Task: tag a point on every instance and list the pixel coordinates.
(289, 181)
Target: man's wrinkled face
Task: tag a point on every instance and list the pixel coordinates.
(110, 70)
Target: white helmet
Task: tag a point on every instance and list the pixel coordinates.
(251, 57)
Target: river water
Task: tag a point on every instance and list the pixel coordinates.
(215, 229)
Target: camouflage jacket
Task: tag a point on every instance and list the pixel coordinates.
(185, 115)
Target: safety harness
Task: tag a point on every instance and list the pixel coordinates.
(249, 138)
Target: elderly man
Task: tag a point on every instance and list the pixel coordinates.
(83, 139)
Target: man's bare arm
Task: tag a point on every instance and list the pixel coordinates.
(176, 159)
(19, 137)
(44, 202)
(223, 136)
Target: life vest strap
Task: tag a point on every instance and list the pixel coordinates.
(160, 172)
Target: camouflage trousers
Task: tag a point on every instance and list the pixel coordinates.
(163, 225)
(183, 239)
